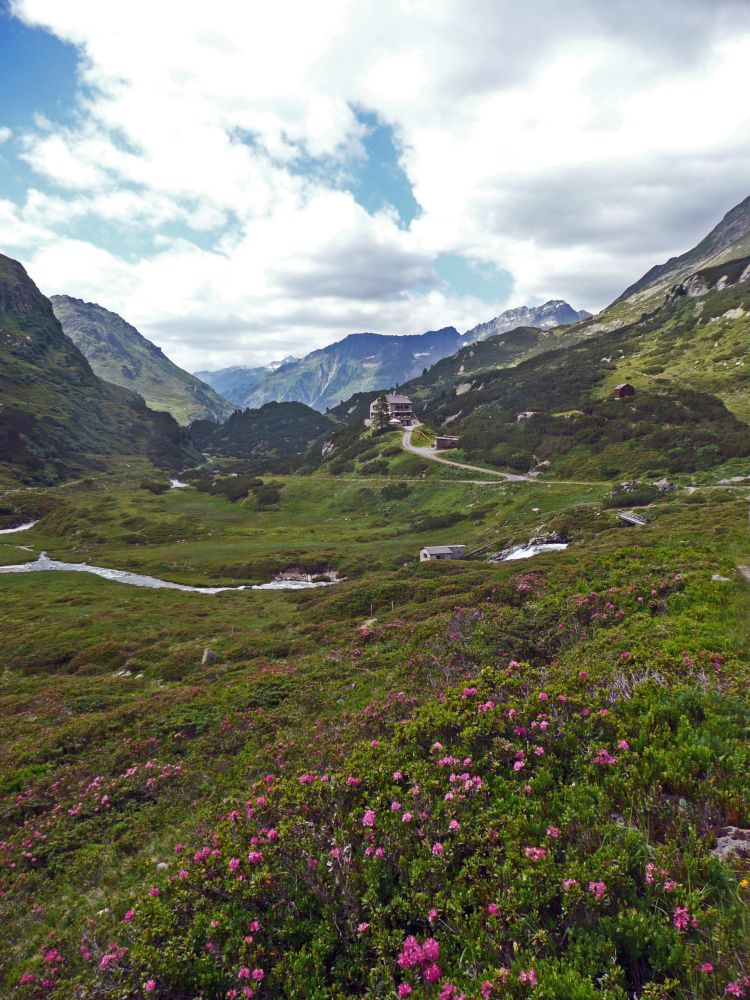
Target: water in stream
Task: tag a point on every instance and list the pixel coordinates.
(44, 565)
(20, 527)
(527, 551)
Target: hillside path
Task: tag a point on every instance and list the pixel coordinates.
(433, 456)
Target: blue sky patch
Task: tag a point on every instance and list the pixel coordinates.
(39, 74)
(378, 180)
(469, 276)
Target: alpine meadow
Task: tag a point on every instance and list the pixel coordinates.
(374, 542)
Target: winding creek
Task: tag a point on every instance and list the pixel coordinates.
(44, 565)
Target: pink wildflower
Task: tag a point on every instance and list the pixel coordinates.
(411, 953)
(528, 977)
(150, 985)
(432, 973)
(535, 853)
(404, 990)
(598, 889)
(369, 818)
(437, 848)
(431, 950)
(706, 968)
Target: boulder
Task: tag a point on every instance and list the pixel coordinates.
(208, 657)
(732, 840)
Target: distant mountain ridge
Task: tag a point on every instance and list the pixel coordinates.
(554, 313)
(120, 354)
(233, 383)
(364, 362)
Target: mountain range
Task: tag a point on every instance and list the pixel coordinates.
(119, 354)
(57, 418)
(234, 383)
(368, 361)
(517, 395)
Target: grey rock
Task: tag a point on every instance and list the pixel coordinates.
(208, 657)
(732, 840)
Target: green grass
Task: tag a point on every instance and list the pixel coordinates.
(99, 676)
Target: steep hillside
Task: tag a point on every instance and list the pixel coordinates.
(276, 430)
(688, 362)
(57, 419)
(120, 354)
(728, 240)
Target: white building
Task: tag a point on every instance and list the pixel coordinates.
(400, 410)
(431, 552)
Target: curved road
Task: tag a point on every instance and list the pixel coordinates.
(433, 456)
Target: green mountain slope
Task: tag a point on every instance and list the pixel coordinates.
(57, 419)
(274, 431)
(688, 361)
(120, 354)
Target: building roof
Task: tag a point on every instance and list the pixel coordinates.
(394, 397)
(441, 549)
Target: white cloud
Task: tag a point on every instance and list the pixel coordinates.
(572, 144)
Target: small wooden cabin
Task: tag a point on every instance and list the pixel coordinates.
(445, 441)
(624, 390)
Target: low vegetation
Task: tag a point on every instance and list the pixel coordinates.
(456, 779)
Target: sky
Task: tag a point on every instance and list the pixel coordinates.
(245, 180)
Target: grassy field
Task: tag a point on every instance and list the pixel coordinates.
(100, 678)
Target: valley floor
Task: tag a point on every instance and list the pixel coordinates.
(465, 779)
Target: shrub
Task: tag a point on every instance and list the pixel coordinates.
(395, 491)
